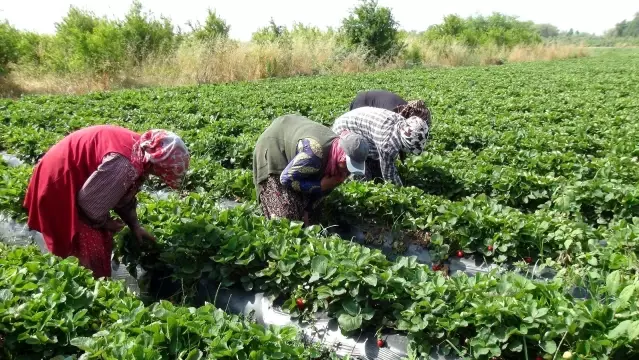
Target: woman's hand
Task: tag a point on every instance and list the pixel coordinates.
(142, 235)
(113, 225)
(330, 182)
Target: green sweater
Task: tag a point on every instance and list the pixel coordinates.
(277, 145)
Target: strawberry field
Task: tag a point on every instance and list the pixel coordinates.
(532, 168)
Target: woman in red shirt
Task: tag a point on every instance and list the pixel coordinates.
(91, 172)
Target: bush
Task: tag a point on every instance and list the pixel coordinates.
(144, 35)
(627, 28)
(9, 38)
(497, 29)
(214, 27)
(373, 28)
(84, 41)
(271, 33)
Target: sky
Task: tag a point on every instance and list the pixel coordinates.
(245, 16)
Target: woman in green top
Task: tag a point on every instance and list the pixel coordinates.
(297, 161)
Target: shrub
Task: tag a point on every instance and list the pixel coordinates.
(271, 33)
(144, 35)
(496, 29)
(9, 38)
(214, 27)
(373, 28)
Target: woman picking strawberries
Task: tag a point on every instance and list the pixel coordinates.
(382, 99)
(298, 161)
(87, 174)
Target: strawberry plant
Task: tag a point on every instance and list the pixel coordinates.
(528, 163)
(54, 308)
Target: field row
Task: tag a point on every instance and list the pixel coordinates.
(363, 289)
(533, 164)
(478, 225)
(54, 309)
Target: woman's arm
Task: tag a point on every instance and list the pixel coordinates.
(388, 151)
(128, 213)
(303, 172)
(104, 189)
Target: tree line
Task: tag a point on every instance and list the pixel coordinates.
(84, 41)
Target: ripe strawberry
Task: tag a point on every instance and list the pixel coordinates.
(539, 357)
(528, 259)
(300, 303)
(380, 343)
(460, 254)
(490, 248)
(436, 267)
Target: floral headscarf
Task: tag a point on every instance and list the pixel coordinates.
(165, 153)
(414, 108)
(414, 134)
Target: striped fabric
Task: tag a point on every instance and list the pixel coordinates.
(380, 128)
(110, 186)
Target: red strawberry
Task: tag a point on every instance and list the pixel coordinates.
(490, 248)
(539, 357)
(460, 254)
(300, 303)
(380, 343)
(436, 267)
(528, 259)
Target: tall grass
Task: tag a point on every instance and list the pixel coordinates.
(196, 62)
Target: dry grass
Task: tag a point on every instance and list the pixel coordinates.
(227, 61)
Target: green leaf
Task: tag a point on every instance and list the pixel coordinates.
(620, 331)
(370, 279)
(5, 295)
(195, 354)
(633, 332)
(627, 293)
(351, 307)
(84, 343)
(349, 323)
(319, 265)
(613, 282)
(550, 347)
(516, 345)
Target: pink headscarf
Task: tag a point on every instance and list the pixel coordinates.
(165, 153)
(337, 155)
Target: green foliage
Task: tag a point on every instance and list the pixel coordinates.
(496, 29)
(9, 39)
(628, 28)
(533, 160)
(84, 41)
(35, 49)
(362, 289)
(272, 33)
(13, 184)
(51, 307)
(144, 35)
(547, 30)
(214, 27)
(373, 28)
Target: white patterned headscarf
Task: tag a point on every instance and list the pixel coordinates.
(414, 134)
